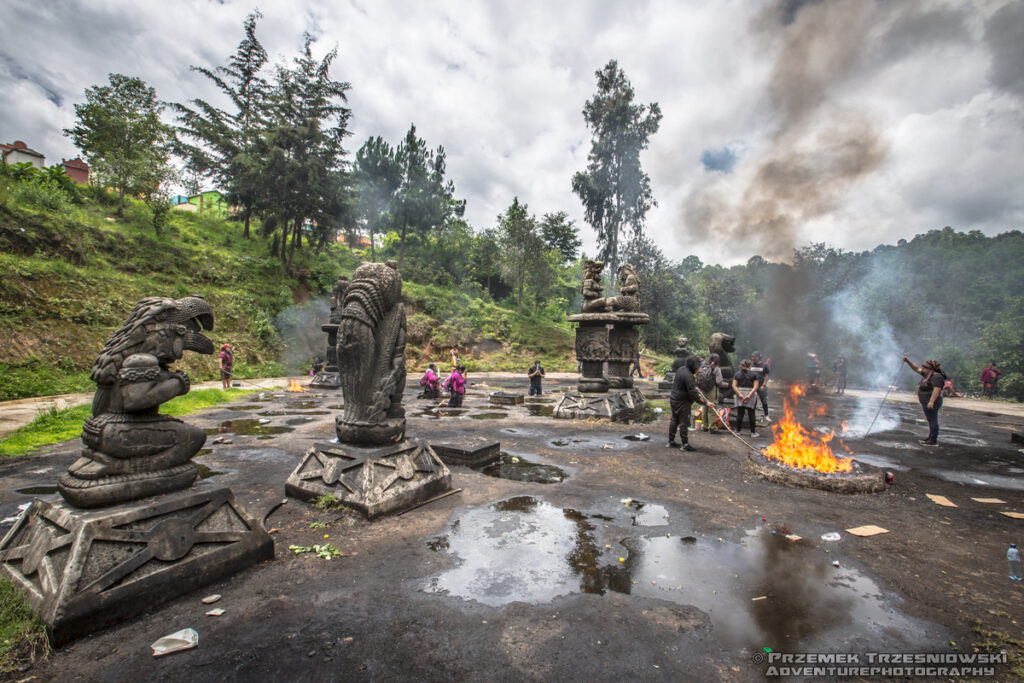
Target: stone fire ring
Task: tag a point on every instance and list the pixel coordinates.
(863, 479)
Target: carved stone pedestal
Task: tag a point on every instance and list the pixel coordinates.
(615, 405)
(84, 570)
(374, 480)
(471, 451)
(325, 380)
(505, 398)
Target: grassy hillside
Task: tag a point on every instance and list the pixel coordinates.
(70, 275)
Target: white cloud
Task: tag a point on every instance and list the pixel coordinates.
(501, 86)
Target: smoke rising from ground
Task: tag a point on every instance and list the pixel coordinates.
(301, 336)
(820, 146)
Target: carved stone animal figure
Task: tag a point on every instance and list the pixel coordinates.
(629, 290)
(591, 288)
(131, 450)
(371, 357)
(723, 344)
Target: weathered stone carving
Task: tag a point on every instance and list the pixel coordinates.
(328, 377)
(629, 290)
(627, 404)
(681, 353)
(83, 570)
(372, 468)
(723, 344)
(131, 450)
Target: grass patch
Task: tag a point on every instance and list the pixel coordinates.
(992, 641)
(328, 503)
(22, 635)
(54, 427)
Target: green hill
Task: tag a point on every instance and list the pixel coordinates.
(69, 275)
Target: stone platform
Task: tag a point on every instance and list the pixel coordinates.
(615, 405)
(84, 570)
(505, 398)
(374, 480)
(472, 451)
(325, 380)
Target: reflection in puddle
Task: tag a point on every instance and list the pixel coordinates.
(302, 405)
(246, 406)
(441, 412)
(566, 442)
(37, 490)
(767, 591)
(648, 514)
(1000, 481)
(273, 413)
(879, 461)
(540, 410)
(488, 416)
(517, 468)
(299, 420)
(248, 428)
(205, 472)
(901, 445)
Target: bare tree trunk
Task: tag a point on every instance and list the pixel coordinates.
(245, 233)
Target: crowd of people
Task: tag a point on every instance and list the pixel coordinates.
(454, 385)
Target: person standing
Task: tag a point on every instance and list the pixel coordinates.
(227, 364)
(636, 366)
(536, 375)
(989, 377)
(456, 361)
(457, 384)
(761, 368)
(839, 374)
(709, 381)
(684, 393)
(744, 385)
(929, 393)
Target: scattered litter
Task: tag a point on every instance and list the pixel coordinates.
(640, 436)
(221, 439)
(793, 537)
(994, 501)
(24, 506)
(762, 597)
(835, 563)
(831, 536)
(273, 531)
(941, 500)
(185, 639)
(215, 612)
(347, 639)
(622, 559)
(626, 501)
(658, 411)
(867, 530)
(264, 420)
(1014, 515)
(325, 551)
(608, 447)
(210, 599)
(9, 520)
(514, 459)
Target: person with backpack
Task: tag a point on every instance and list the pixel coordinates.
(456, 384)
(744, 386)
(709, 380)
(684, 393)
(989, 377)
(929, 393)
(429, 382)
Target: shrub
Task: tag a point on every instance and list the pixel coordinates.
(44, 194)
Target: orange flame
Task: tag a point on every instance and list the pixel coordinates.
(295, 386)
(797, 447)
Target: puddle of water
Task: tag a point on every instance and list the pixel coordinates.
(488, 416)
(534, 399)
(302, 405)
(539, 410)
(879, 461)
(999, 481)
(248, 428)
(648, 514)
(205, 472)
(526, 550)
(336, 406)
(37, 490)
(275, 413)
(517, 468)
(246, 406)
(637, 437)
(900, 445)
(955, 440)
(567, 442)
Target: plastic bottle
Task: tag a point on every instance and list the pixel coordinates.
(1013, 560)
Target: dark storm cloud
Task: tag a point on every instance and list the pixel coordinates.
(40, 80)
(1004, 33)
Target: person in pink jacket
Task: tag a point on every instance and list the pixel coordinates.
(457, 385)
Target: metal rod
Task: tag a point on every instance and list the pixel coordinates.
(443, 495)
(887, 390)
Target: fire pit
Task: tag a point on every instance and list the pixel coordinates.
(800, 457)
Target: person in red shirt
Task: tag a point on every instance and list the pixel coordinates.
(227, 363)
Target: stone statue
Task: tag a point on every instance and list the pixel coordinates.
(327, 378)
(131, 450)
(371, 357)
(591, 289)
(723, 344)
(629, 290)
(681, 353)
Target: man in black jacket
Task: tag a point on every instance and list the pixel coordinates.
(684, 393)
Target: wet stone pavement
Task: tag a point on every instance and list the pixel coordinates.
(589, 550)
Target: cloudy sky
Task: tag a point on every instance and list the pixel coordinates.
(785, 121)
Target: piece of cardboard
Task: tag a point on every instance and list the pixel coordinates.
(941, 500)
(867, 530)
(1014, 515)
(994, 501)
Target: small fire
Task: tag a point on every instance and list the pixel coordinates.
(799, 448)
(295, 386)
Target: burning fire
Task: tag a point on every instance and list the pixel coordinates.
(797, 447)
(295, 386)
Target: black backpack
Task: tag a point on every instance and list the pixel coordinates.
(706, 378)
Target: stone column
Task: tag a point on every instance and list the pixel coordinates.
(623, 342)
(592, 352)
